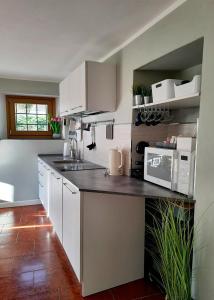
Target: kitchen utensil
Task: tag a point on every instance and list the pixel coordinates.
(109, 131)
(138, 120)
(93, 144)
(115, 162)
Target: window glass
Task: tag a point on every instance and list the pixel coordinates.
(31, 117)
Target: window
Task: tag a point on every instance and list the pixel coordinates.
(27, 117)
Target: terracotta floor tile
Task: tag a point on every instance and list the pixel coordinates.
(106, 295)
(46, 245)
(16, 228)
(36, 233)
(8, 237)
(15, 220)
(134, 290)
(155, 297)
(6, 267)
(17, 249)
(33, 264)
(35, 219)
(47, 260)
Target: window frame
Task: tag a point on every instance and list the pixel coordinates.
(12, 133)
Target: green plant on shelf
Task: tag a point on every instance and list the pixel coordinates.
(136, 89)
(146, 91)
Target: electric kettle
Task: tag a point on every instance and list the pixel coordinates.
(115, 162)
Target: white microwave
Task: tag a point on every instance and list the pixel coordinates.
(171, 169)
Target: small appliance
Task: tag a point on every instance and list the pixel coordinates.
(173, 169)
(115, 162)
(137, 169)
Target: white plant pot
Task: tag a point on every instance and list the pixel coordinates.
(146, 99)
(138, 100)
(56, 135)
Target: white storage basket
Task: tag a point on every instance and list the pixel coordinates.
(164, 90)
(188, 89)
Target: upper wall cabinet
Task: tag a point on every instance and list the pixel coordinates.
(89, 88)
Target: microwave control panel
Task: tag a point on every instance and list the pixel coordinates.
(186, 161)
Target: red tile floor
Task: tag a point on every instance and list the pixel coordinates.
(33, 264)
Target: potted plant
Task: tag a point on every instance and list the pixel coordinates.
(55, 125)
(137, 94)
(146, 93)
(173, 237)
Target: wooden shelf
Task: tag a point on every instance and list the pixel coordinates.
(174, 103)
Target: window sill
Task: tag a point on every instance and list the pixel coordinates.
(31, 139)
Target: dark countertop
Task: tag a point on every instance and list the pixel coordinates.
(96, 181)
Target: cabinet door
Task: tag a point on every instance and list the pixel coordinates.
(71, 225)
(64, 96)
(46, 188)
(78, 89)
(55, 207)
(41, 181)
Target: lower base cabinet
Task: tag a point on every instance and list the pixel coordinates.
(71, 225)
(55, 203)
(43, 178)
(102, 234)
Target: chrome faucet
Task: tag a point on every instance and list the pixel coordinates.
(74, 148)
(75, 153)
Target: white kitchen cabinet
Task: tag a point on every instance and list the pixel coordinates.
(103, 251)
(43, 178)
(71, 225)
(89, 88)
(55, 202)
(64, 91)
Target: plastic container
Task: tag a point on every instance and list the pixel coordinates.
(188, 89)
(164, 90)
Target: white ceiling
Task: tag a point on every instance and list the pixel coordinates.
(45, 39)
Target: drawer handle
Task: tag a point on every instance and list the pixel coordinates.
(41, 174)
(66, 185)
(55, 176)
(75, 107)
(41, 185)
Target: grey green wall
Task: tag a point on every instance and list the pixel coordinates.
(192, 20)
(18, 158)
(15, 86)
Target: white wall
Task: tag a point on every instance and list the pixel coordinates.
(18, 165)
(3, 117)
(18, 158)
(121, 140)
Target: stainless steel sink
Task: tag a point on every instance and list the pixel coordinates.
(68, 161)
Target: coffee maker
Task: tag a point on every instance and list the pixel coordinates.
(137, 170)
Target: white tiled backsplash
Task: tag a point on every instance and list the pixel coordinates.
(121, 140)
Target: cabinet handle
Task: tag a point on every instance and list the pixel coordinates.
(46, 168)
(66, 185)
(41, 184)
(55, 175)
(75, 107)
